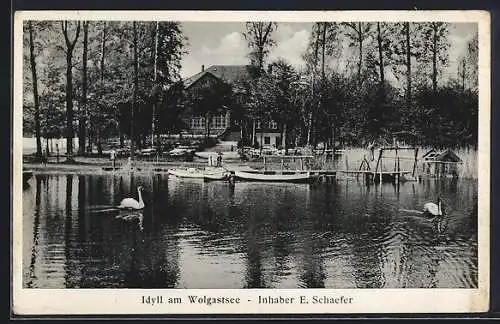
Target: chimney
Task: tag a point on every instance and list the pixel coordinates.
(202, 68)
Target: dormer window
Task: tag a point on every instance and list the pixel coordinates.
(273, 124)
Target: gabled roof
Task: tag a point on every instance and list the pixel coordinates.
(430, 154)
(444, 156)
(228, 73)
(449, 156)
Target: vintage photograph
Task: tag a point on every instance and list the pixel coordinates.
(182, 154)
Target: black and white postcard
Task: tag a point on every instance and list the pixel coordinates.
(197, 162)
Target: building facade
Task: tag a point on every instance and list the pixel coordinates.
(222, 125)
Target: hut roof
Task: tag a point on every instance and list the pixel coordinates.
(444, 156)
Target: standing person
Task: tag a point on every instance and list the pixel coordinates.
(57, 152)
(112, 156)
(219, 160)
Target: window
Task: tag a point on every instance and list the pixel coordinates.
(257, 124)
(197, 123)
(219, 121)
(273, 125)
(267, 140)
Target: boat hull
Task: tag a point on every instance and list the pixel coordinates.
(302, 177)
(215, 177)
(198, 174)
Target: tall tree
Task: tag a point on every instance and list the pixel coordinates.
(408, 65)
(358, 33)
(35, 90)
(259, 38)
(436, 43)
(82, 133)
(70, 46)
(279, 97)
(155, 79)
(381, 58)
(468, 65)
(136, 89)
(101, 88)
(260, 41)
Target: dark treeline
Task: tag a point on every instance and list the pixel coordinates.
(362, 83)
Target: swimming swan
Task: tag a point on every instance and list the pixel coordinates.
(432, 209)
(131, 203)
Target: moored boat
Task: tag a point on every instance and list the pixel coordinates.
(274, 176)
(194, 173)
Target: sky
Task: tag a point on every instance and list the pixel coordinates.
(214, 43)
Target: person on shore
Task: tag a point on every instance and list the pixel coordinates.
(219, 160)
(112, 156)
(371, 148)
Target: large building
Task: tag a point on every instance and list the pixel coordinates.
(222, 124)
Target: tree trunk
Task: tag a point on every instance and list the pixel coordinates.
(35, 92)
(360, 40)
(83, 109)
(408, 65)
(323, 48)
(155, 78)
(69, 106)
(434, 60)
(313, 80)
(100, 118)
(463, 75)
(283, 138)
(253, 133)
(380, 58)
(70, 45)
(136, 89)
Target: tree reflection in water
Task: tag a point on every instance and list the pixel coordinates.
(251, 235)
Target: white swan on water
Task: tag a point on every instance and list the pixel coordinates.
(433, 209)
(131, 203)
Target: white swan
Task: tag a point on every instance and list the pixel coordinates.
(432, 209)
(131, 203)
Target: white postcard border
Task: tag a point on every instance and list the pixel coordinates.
(128, 301)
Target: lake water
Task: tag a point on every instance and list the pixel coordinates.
(251, 235)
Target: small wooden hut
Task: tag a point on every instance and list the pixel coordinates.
(440, 164)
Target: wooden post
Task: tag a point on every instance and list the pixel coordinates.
(301, 164)
(378, 160)
(346, 163)
(367, 164)
(415, 163)
(395, 159)
(282, 163)
(264, 162)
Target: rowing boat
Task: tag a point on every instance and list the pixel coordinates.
(274, 176)
(194, 173)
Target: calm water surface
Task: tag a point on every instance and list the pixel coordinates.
(251, 235)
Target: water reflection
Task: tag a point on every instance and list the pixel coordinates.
(193, 234)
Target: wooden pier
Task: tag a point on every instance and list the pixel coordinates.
(378, 175)
(386, 176)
